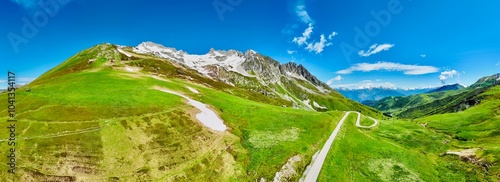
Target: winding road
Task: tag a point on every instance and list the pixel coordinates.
(317, 164)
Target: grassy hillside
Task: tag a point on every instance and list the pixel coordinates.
(449, 104)
(399, 151)
(91, 119)
(396, 105)
(477, 127)
(422, 105)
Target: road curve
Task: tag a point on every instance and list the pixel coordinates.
(317, 164)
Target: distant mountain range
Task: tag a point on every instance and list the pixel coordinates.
(374, 94)
(257, 73)
(368, 95)
(451, 98)
(448, 87)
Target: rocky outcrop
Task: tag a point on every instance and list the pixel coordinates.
(249, 70)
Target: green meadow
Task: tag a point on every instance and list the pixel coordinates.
(89, 119)
(405, 150)
(102, 123)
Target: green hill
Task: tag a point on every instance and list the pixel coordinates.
(98, 117)
(458, 146)
(428, 104)
(102, 116)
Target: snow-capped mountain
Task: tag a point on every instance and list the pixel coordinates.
(232, 60)
(249, 70)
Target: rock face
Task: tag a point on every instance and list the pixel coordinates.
(249, 70)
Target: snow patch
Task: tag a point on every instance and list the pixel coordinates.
(231, 60)
(307, 103)
(318, 106)
(207, 117)
(296, 76)
(463, 153)
(123, 52)
(132, 70)
(193, 90)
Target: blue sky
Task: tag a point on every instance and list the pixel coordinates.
(392, 43)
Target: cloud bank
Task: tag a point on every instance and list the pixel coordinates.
(389, 66)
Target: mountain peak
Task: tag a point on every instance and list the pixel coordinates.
(448, 88)
(250, 52)
(487, 81)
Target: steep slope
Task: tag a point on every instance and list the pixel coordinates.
(477, 129)
(257, 73)
(103, 115)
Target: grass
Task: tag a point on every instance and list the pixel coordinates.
(274, 134)
(396, 151)
(96, 122)
(477, 127)
(158, 140)
(365, 121)
(361, 155)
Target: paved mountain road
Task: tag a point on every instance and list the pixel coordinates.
(317, 164)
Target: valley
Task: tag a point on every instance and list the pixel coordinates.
(119, 113)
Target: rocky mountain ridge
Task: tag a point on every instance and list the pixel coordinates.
(249, 70)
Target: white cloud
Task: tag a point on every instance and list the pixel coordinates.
(388, 66)
(318, 47)
(310, 46)
(423, 55)
(291, 52)
(374, 49)
(330, 37)
(306, 35)
(3, 81)
(301, 12)
(377, 85)
(365, 85)
(336, 79)
(448, 75)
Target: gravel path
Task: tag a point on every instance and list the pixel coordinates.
(317, 164)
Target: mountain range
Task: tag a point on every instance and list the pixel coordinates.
(114, 113)
(153, 113)
(290, 82)
(451, 98)
(377, 93)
